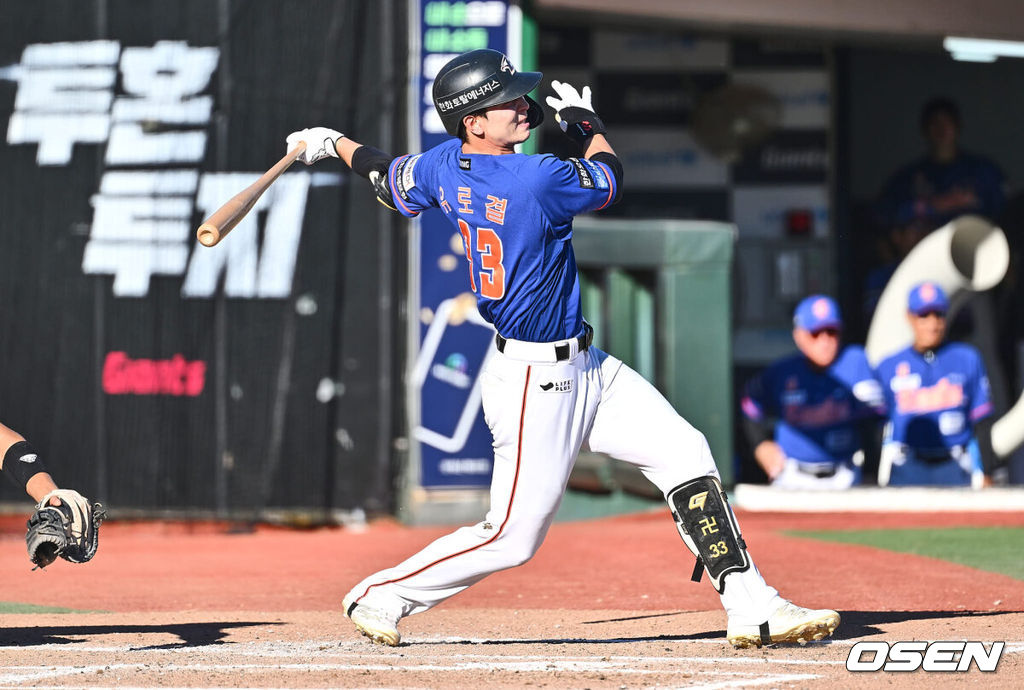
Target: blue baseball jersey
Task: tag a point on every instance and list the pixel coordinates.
(515, 214)
(934, 398)
(817, 412)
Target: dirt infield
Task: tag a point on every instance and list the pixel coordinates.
(604, 603)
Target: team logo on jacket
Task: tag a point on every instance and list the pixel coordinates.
(793, 395)
(946, 393)
(904, 379)
(557, 386)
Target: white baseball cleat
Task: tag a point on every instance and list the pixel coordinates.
(376, 624)
(790, 623)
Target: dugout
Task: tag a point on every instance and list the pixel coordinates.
(846, 85)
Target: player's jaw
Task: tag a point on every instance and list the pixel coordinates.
(506, 124)
(820, 347)
(513, 120)
(929, 330)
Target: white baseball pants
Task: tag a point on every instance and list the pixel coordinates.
(540, 413)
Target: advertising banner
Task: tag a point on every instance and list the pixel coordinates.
(454, 443)
(154, 373)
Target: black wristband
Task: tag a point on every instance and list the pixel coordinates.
(21, 463)
(579, 124)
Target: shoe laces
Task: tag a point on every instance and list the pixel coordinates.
(378, 615)
(801, 611)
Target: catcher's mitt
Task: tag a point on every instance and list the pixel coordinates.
(69, 530)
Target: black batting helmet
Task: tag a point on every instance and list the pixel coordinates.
(477, 80)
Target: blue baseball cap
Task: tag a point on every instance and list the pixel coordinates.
(816, 313)
(927, 297)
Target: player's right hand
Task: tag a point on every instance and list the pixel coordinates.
(569, 97)
(574, 112)
(320, 143)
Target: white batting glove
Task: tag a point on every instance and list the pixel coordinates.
(320, 143)
(568, 97)
(574, 112)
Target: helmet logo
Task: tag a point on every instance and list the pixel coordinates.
(467, 97)
(506, 66)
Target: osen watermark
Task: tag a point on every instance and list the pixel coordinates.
(904, 656)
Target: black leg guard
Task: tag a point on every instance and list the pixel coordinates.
(708, 528)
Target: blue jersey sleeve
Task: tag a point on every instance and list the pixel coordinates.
(758, 396)
(884, 391)
(978, 389)
(411, 181)
(857, 373)
(567, 188)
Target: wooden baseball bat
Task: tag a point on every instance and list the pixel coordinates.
(221, 222)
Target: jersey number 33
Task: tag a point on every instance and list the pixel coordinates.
(492, 271)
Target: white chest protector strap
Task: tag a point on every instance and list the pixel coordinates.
(708, 528)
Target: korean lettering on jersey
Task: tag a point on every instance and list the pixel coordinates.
(454, 442)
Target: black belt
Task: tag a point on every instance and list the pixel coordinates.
(820, 472)
(932, 458)
(563, 351)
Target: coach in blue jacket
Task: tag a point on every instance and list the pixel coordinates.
(806, 415)
(937, 396)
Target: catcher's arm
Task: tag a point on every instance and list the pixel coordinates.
(20, 461)
(64, 523)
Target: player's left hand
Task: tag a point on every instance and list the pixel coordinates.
(320, 143)
(574, 112)
(65, 524)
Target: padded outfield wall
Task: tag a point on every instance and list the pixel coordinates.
(156, 374)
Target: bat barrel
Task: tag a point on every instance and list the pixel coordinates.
(227, 216)
(208, 235)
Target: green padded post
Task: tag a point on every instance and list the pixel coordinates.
(692, 329)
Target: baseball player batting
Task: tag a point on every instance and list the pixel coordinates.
(548, 390)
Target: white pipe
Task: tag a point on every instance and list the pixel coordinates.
(1008, 431)
(967, 254)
